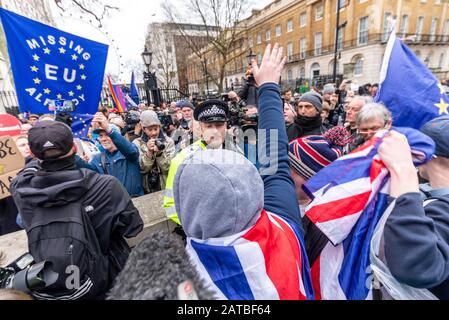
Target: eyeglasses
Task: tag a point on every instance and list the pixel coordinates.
(370, 130)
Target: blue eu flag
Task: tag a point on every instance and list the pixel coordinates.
(408, 88)
(50, 66)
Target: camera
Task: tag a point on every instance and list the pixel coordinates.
(25, 275)
(62, 105)
(160, 144)
(132, 118)
(184, 124)
(237, 114)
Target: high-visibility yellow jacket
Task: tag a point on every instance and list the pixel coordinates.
(169, 198)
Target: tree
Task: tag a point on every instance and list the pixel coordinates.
(95, 8)
(219, 21)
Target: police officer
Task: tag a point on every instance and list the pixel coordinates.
(213, 116)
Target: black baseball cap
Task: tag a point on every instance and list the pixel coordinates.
(212, 111)
(438, 130)
(50, 135)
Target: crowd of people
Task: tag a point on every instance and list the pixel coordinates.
(75, 199)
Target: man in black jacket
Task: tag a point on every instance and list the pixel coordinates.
(416, 235)
(308, 121)
(54, 185)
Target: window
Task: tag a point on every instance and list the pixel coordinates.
(268, 35)
(385, 33)
(278, 30)
(437, 1)
(441, 62)
(315, 70)
(250, 42)
(302, 48)
(290, 75)
(259, 39)
(433, 29)
(446, 30)
(331, 67)
(290, 25)
(358, 69)
(318, 42)
(289, 52)
(259, 58)
(404, 26)
(340, 39)
(363, 31)
(302, 73)
(419, 27)
(319, 12)
(303, 19)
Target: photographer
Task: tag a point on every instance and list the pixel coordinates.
(120, 157)
(156, 152)
(249, 91)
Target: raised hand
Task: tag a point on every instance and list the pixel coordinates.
(272, 64)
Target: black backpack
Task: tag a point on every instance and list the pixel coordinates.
(65, 236)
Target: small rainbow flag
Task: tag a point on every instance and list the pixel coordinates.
(117, 96)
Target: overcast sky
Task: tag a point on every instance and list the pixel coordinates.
(125, 30)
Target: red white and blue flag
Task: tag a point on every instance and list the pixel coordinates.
(251, 266)
(350, 196)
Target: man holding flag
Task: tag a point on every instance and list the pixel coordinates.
(352, 194)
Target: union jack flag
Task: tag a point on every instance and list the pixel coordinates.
(252, 265)
(350, 196)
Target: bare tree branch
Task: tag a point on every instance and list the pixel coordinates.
(90, 7)
(220, 19)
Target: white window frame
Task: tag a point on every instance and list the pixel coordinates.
(290, 51)
(342, 5)
(362, 38)
(268, 35)
(259, 38)
(290, 25)
(250, 42)
(303, 21)
(290, 75)
(278, 30)
(446, 30)
(340, 38)
(385, 34)
(259, 58)
(319, 14)
(318, 49)
(419, 27)
(302, 48)
(404, 26)
(433, 29)
(358, 70)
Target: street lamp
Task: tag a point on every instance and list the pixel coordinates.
(338, 27)
(206, 76)
(150, 78)
(250, 56)
(147, 57)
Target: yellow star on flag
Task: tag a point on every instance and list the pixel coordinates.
(440, 86)
(79, 87)
(74, 57)
(36, 57)
(37, 81)
(47, 51)
(83, 77)
(34, 68)
(61, 50)
(82, 66)
(442, 106)
(47, 91)
(71, 93)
